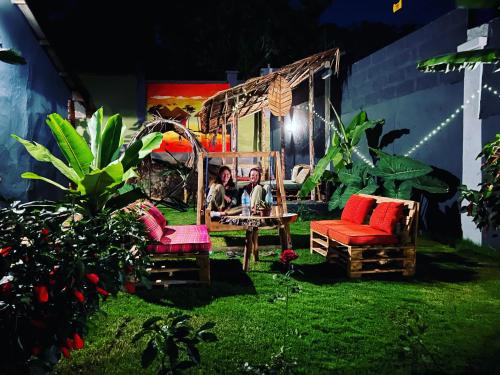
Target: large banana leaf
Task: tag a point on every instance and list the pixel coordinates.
(99, 181)
(72, 145)
(140, 148)
(357, 120)
(34, 176)
(430, 184)
(41, 153)
(359, 130)
(357, 189)
(110, 140)
(94, 130)
(394, 167)
(460, 60)
(311, 182)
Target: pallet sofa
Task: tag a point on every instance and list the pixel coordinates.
(387, 243)
(175, 248)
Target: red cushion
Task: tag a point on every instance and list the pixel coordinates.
(154, 230)
(359, 234)
(357, 208)
(386, 215)
(321, 226)
(156, 213)
(183, 239)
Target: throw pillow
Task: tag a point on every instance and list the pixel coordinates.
(156, 213)
(154, 230)
(356, 209)
(386, 215)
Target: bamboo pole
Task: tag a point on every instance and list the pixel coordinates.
(310, 126)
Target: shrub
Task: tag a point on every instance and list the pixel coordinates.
(54, 271)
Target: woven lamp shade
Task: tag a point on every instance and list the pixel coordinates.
(279, 96)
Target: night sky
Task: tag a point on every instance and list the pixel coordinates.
(190, 40)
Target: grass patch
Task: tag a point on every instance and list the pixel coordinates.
(336, 325)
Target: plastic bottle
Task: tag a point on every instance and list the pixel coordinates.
(269, 198)
(245, 204)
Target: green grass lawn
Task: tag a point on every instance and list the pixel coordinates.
(336, 325)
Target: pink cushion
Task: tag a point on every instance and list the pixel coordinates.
(155, 232)
(356, 209)
(183, 239)
(358, 234)
(156, 213)
(386, 215)
(321, 226)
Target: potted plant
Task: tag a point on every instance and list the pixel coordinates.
(263, 208)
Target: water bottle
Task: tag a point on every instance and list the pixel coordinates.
(269, 198)
(245, 204)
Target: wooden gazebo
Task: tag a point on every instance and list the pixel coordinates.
(227, 106)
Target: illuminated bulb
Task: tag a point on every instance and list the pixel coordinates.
(495, 92)
(485, 85)
(434, 131)
(473, 96)
(490, 88)
(457, 110)
(467, 101)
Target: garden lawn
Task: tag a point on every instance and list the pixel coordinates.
(335, 325)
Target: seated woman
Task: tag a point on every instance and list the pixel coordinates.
(256, 191)
(222, 195)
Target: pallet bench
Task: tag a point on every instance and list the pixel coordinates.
(363, 249)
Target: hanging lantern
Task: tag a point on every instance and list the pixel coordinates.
(279, 96)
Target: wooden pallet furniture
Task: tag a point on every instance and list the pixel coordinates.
(346, 244)
(175, 249)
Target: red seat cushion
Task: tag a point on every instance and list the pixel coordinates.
(356, 209)
(156, 213)
(155, 231)
(321, 226)
(359, 234)
(183, 239)
(386, 215)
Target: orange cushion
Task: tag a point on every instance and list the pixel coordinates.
(357, 208)
(386, 215)
(359, 234)
(321, 226)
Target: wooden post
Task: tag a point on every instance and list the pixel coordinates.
(282, 136)
(328, 135)
(201, 191)
(310, 126)
(266, 135)
(234, 142)
(280, 188)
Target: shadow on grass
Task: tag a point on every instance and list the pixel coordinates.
(447, 267)
(228, 279)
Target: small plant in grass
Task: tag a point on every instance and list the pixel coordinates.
(173, 341)
(280, 362)
(413, 347)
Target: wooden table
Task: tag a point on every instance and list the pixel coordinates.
(252, 225)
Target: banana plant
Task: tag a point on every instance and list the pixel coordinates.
(341, 148)
(97, 171)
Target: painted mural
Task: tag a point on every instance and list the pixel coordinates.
(182, 102)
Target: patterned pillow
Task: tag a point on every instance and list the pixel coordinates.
(155, 231)
(357, 208)
(386, 215)
(156, 213)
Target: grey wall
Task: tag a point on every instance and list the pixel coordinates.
(28, 93)
(387, 85)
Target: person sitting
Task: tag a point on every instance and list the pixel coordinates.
(256, 191)
(222, 195)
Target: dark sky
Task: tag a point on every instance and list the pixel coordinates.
(193, 40)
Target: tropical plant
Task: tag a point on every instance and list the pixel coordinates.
(484, 204)
(173, 340)
(96, 171)
(341, 148)
(54, 270)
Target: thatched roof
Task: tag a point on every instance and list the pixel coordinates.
(251, 96)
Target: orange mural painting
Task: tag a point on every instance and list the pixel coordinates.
(182, 102)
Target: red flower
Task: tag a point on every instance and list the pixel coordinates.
(288, 255)
(103, 292)
(92, 277)
(129, 287)
(5, 288)
(5, 251)
(78, 341)
(65, 352)
(45, 231)
(79, 296)
(70, 344)
(41, 292)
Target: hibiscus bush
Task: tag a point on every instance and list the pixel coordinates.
(55, 269)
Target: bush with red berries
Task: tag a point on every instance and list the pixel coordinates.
(54, 272)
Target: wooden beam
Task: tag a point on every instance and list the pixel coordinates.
(310, 126)
(241, 154)
(200, 198)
